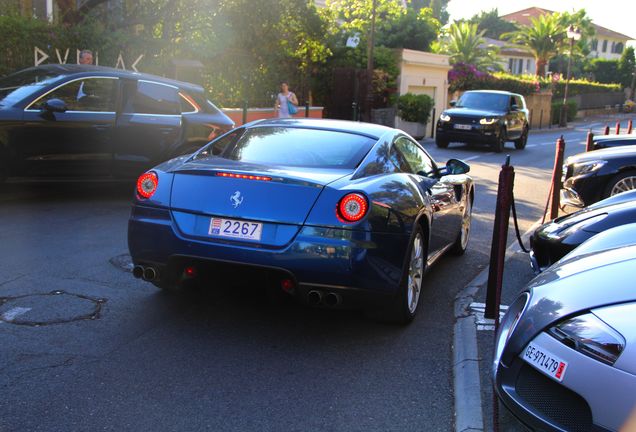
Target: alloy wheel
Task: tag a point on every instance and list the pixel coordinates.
(624, 185)
(416, 269)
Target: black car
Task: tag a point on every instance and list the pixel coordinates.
(607, 141)
(592, 176)
(485, 117)
(553, 240)
(80, 120)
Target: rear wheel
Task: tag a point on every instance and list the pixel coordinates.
(520, 143)
(404, 308)
(621, 182)
(441, 143)
(461, 243)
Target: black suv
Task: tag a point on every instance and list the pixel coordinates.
(485, 116)
(80, 120)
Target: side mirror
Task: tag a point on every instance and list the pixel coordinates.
(514, 107)
(455, 166)
(54, 105)
(453, 103)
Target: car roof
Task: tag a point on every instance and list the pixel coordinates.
(606, 153)
(494, 91)
(369, 129)
(68, 69)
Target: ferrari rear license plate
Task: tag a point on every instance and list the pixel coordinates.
(545, 361)
(462, 126)
(235, 229)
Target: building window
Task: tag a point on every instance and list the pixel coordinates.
(511, 63)
(594, 45)
(618, 49)
(605, 45)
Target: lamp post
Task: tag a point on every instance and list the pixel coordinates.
(574, 35)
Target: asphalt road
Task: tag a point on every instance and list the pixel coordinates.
(87, 347)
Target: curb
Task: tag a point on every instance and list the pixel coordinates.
(466, 376)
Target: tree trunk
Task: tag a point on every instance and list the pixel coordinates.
(541, 64)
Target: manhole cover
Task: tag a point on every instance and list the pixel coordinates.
(122, 262)
(55, 307)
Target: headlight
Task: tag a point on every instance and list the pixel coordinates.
(589, 335)
(587, 167)
(488, 121)
(444, 117)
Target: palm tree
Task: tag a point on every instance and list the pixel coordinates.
(466, 45)
(543, 37)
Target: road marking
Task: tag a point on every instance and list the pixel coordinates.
(531, 145)
(11, 314)
(487, 324)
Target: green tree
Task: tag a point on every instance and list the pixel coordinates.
(491, 24)
(466, 45)
(627, 66)
(413, 30)
(438, 8)
(543, 37)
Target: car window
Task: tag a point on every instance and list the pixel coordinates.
(87, 94)
(519, 102)
(299, 147)
(153, 98)
(188, 103)
(217, 146)
(418, 161)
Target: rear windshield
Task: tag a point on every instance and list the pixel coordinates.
(485, 101)
(299, 147)
(17, 86)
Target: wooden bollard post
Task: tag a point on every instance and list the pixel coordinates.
(589, 144)
(606, 131)
(618, 127)
(557, 171)
(629, 126)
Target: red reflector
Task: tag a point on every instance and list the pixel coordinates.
(352, 207)
(287, 285)
(243, 176)
(190, 271)
(147, 184)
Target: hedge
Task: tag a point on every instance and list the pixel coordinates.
(415, 108)
(556, 111)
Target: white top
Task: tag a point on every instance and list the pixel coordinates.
(283, 111)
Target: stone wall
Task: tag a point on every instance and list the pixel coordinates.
(540, 106)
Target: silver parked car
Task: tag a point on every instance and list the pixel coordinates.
(565, 356)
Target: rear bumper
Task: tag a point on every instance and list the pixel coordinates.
(317, 257)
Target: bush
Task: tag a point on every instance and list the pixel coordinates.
(579, 86)
(466, 77)
(415, 108)
(556, 111)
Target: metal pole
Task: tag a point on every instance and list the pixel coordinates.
(564, 121)
(306, 109)
(244, 111)
(370, 43)
(541, 120)
(433, 124)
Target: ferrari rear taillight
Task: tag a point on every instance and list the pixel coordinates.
(243, 176)
(352, 207)
(147, 184)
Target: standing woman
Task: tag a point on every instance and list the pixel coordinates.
(285, 97)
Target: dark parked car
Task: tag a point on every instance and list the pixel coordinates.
(79, 120)
(565, 352)
(592, 176)
(606, 141)
(485, 117)
(553, 240)
(335, 213)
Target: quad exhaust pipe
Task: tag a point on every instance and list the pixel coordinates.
(317, 298)
(146, 273)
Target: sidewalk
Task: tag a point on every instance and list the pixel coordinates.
(474, 345)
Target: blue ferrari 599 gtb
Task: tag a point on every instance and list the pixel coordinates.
(335, 213)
